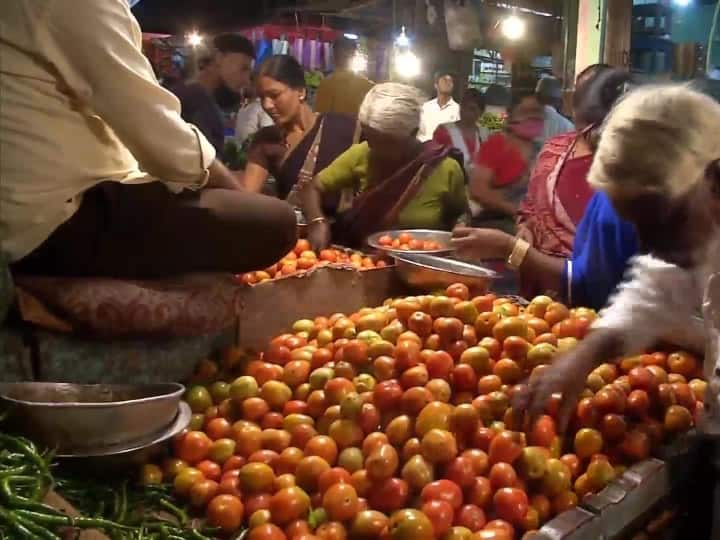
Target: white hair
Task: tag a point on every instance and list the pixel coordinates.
(392, 108)
(658, 139)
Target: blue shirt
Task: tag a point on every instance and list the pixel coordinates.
(604, 243)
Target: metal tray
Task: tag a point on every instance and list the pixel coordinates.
(430, 272)
(443, 237)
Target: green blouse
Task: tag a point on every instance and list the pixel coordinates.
(439, 203)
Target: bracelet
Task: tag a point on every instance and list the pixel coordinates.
(318, 220)
(517, 256)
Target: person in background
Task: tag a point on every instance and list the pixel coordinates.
(657, 161)
(343, 90)
(442, 109)
(499, 177)
(399, 182)
(251, 118)
(603, 243)
(223, 72)
(300, 140)
(558, 193)
(549, 94)
(465, 134)
(101, 176)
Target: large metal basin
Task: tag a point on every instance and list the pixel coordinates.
(430, 272)
(73, 417)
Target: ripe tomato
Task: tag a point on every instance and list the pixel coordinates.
(505, 447)
(202, 492)
(461, 471)
(229, 485)
(151, 474)
(387, 395)
(440, 514)
(388, 495)
(333, 476)
(443, 490)
(511, 504)
(226, 512)
(289, 504)
(210, 470)
(502, 475)
(193, 447)
(324, 447)
(480, 492)
(471, 517)
(340, 502)
(218, 428)
(267, 531)
(543, 432)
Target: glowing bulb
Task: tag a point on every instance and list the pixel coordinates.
(194, 39)
(407, 65)
(348, 35)
(513, 27)
(359, 62)
(402, 40)
(681, 3)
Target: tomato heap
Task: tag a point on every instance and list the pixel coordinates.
(302, 258)
(406, 242)
(395, 422)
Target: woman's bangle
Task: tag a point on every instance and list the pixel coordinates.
(518, 253)
(318, 220)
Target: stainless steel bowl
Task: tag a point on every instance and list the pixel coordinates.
(430, 272)
(443, 237)
(74, 417)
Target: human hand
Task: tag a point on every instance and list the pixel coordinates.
(481, 244)
(319, 235)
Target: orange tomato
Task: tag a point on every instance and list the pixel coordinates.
(225, 512)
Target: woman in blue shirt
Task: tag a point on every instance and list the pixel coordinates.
(604, 243)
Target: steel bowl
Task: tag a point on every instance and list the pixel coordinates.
(443, 237)
(430, 272)
(71, 418)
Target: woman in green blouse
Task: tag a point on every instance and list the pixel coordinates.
(395, 181)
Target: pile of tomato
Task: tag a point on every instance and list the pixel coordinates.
(406, 242)
(395, 422)
(303, 258)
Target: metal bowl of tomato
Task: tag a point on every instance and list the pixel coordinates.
(425, 241)
(429, 272)
(75, 419)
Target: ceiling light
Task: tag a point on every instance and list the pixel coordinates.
(351, 36)
(512, 27)
(407, 65)
(194, 39)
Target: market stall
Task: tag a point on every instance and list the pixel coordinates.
(354, 405)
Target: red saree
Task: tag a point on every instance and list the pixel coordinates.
(557, 195)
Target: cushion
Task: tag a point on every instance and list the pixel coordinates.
(184, 306)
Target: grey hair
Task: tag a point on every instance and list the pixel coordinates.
(392, 108)
(658, 139)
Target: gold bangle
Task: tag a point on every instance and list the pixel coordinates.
(517, 256)
(318, 220)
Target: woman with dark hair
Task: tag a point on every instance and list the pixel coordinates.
(558, 192)
(588, 270)
(300, 140)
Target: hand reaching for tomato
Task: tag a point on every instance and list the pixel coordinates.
(481, 244)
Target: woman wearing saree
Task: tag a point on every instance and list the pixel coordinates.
(300, 139)
(547, 253)
(397, 181)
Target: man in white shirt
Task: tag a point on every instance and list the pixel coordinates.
(658, 161)
(95, 155)
(443, 109)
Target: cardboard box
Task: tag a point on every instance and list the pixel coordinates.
(270, 308)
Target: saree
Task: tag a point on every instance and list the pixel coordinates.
(378, 207)
(337, 133)
(548, 216)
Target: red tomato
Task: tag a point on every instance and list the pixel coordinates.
(387, 395)
(193, 447)
(505, 447)
(543, 432)
(389, 495)
(210, 469)
(230, 485)
(480, 493)
(470, 516)
(443, 490)
(440, 514)
(226, 512)
(268, 531)
(511, 504)
(461, 471)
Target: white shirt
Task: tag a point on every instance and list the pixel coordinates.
(79, 104)
(660, 300)
(433, 115)
(250, 119)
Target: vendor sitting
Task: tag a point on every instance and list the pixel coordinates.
(100, 174)
(397, 181)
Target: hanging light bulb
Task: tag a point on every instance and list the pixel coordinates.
(512, 27)
(407, 65)
(194, 39)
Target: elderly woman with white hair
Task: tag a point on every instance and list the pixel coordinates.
(397, 181)
(658, 162)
